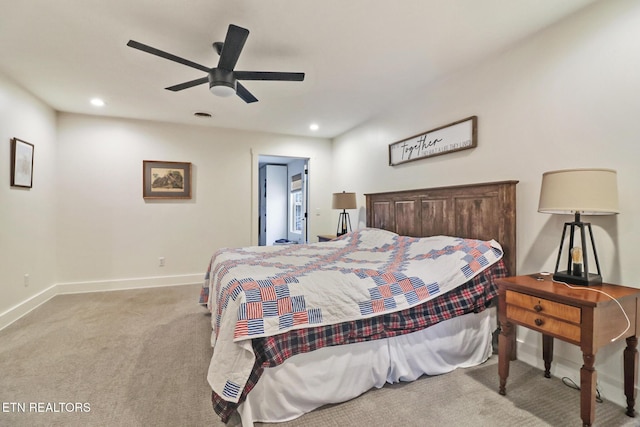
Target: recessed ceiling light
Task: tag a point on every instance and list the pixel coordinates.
(314, 126)
(97, 102)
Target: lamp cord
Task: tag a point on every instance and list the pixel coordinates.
(570, 383)
(604, 293)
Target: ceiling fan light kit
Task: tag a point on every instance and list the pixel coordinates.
(222, 90)
(223, 80)
(222, 83)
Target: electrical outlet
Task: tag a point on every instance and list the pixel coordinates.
(26, 280)
(161, 261)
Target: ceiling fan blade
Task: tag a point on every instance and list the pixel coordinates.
(187, 85)
(268, 75)
(243, 93)
(232, 47)
(165, 55)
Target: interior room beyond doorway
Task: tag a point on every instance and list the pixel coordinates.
(282, 200)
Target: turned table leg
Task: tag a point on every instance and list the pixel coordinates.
(505, 344)
(588, 377)
(547, 354)
(630, 374)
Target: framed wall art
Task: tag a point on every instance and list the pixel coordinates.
(21, 163)
(456, 136)
(166, 180)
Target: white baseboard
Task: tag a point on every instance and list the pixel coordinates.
(23, 308)
(19, 310)
(123, 284)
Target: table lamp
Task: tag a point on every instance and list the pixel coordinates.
(579, 191)
(344, 201)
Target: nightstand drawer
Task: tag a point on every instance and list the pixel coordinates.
(546, 324)
(545, 307)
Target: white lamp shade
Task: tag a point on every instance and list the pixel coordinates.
(584, 191)
(344, 201)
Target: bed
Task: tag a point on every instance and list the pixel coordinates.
(298, 326)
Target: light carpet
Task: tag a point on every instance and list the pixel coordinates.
(140, 358)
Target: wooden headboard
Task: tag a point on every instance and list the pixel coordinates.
(476, 211)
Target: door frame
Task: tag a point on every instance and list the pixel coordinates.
(255, 185)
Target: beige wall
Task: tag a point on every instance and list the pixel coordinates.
(85, 226)
(27, 216)
(565, 98)
(107, 231)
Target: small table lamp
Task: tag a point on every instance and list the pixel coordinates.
(579, 191)
(344, 201)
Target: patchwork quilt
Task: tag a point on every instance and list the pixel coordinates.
(265, 291)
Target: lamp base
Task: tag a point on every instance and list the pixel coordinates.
(342, 223)
(584, 280)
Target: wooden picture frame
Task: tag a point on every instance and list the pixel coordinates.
(456, 136)
(21, 163)
(166, 180)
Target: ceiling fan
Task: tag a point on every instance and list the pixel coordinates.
(223, 79)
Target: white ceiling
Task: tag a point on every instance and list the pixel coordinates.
(361, 57)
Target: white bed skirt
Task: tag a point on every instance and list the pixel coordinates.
(336, 374)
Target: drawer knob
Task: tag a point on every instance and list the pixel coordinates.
(538, 322)
(537, 308)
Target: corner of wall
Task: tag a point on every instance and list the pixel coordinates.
(25, 307)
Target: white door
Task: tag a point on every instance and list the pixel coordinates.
(273, 204)
(298, 201)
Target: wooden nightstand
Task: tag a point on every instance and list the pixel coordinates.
(582, 317)
(326, 237)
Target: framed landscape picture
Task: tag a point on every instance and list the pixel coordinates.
(21, 163)
(166, 180)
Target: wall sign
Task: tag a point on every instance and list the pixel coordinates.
(460, 135)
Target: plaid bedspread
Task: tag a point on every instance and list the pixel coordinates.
(473, 296)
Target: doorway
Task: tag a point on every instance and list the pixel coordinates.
(282, 200)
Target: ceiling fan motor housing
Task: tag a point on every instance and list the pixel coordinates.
(222, 82)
